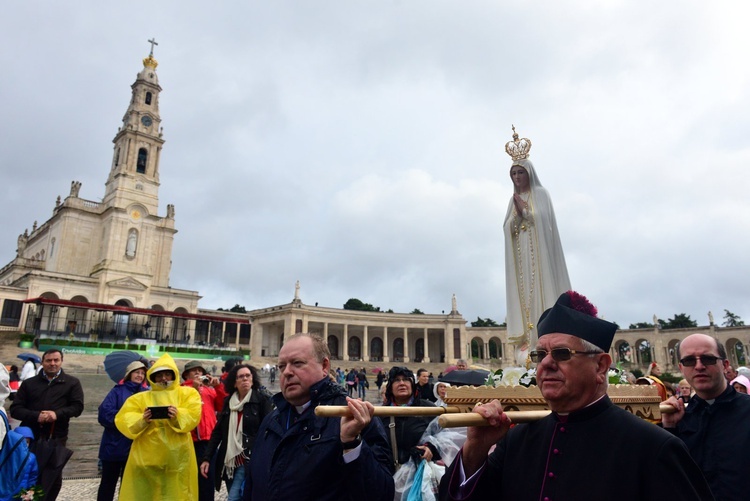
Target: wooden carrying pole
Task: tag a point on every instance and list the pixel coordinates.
(474, 419)
(343, 410)
(521, 404)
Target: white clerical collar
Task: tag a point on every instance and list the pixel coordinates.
(301, 408)
(589, 405)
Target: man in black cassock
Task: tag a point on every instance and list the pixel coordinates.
(587, 449)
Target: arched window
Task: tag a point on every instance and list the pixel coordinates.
(333, 346)
(419, 350)
(625, 352)
(142, 159)
(117, 157)
(496, 348)
(398, 350)
(376, 349)
(355, 348)
(148, 98)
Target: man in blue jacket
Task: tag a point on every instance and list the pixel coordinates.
(298, 455)
(713, 426)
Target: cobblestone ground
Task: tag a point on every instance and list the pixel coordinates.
(86, 489)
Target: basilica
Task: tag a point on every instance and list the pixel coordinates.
(100, 271)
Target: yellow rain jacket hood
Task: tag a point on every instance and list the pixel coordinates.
(162, 464)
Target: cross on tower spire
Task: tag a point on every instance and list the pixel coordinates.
(152, 42)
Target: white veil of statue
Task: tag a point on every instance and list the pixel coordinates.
(535, 269)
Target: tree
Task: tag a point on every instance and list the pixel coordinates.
(680, 321)
(641, 325)
(356, 304)
(732, 320)
(484, 322)
(236, 309)
(416, 311)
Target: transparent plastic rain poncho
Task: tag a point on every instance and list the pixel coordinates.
(448, 442)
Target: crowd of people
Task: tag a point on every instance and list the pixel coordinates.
(166, 440)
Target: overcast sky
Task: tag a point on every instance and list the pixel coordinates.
(358, 147)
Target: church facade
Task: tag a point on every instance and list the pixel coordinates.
(114, 252)
(100, 270)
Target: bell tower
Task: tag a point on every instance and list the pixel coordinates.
(134, 176)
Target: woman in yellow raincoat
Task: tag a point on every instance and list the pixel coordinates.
(161, 464)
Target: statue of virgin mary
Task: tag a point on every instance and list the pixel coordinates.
(535, 270)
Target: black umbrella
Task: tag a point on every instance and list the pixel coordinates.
(116, 362)
(30, 356)
(473, 377)
(51, 457)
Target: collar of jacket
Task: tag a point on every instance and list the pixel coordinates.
(727, 396)
(60, 376)
(323, 390)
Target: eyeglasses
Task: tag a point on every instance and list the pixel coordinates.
(244, 376)
(705, 360)
(558, 354)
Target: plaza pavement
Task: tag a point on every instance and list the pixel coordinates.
(86, 490)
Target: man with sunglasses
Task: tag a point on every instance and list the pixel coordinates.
(712, 426)
(587, 449)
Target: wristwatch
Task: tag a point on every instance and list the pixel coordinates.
(353, 444)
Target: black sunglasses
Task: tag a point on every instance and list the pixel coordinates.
(558, 354)
(705, 360)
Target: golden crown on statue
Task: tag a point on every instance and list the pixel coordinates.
(518, 148)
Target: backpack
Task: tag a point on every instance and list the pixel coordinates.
(13, 458)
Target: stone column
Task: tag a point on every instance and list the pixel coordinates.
(406, 344)
(346, 342)
(386, 349)
(486, 351)
(449, 349)
(237, 336)
(426, 346)
(366, 345)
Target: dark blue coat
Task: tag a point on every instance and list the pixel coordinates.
(718, 439)
(303, 460)
(115, 446)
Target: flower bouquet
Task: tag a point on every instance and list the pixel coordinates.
(33, 493)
